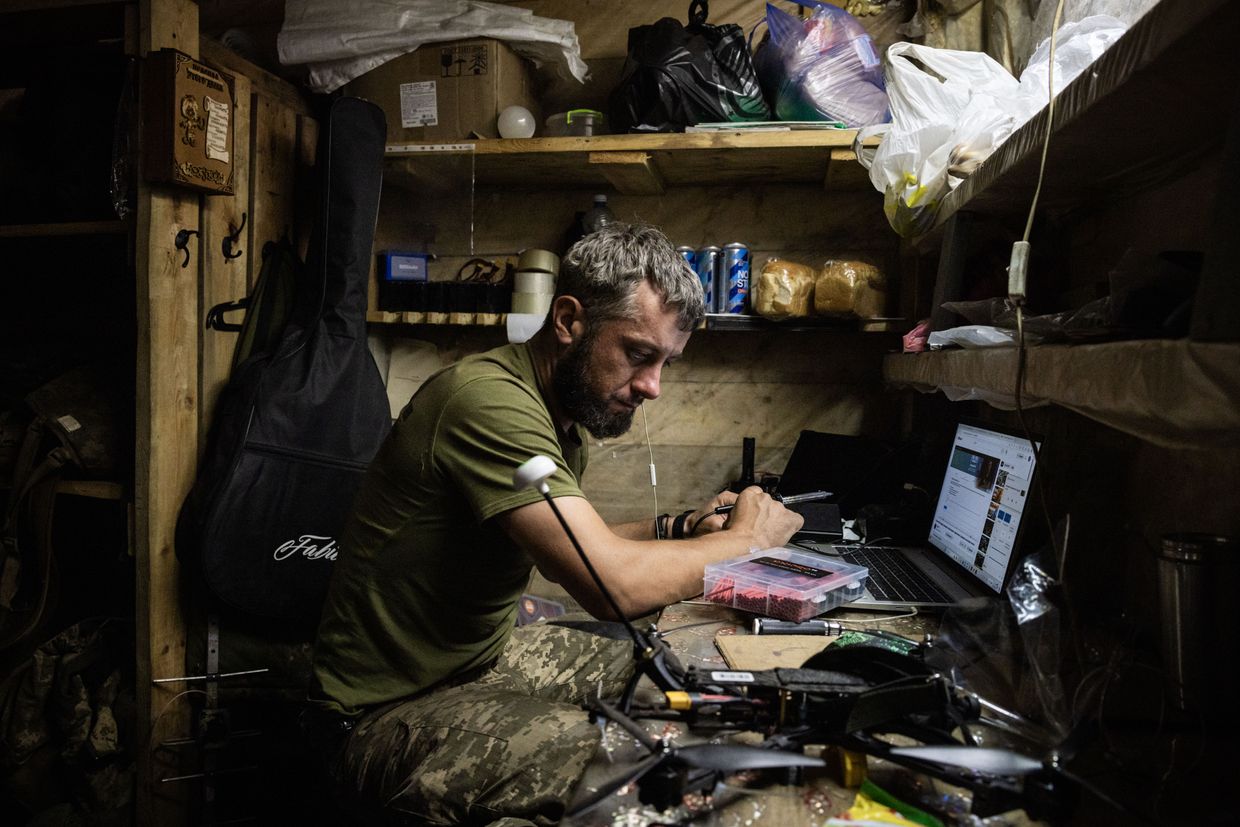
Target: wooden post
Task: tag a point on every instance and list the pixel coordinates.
(166, 437)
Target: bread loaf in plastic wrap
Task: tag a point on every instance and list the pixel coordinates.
(783, 290)
(850, 288)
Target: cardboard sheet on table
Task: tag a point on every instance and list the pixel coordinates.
(754, 652)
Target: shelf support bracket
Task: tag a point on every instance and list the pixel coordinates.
(844, 172)
(631, 173)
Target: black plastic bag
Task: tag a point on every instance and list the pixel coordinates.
(676, 76)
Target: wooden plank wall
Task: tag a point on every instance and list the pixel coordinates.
(769, 385)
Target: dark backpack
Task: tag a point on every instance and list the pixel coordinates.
(301, 418)
(72, 431)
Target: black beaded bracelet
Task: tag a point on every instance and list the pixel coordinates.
(660, 526)
(678, 524)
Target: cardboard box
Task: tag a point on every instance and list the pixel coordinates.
(444, 92)
(187, 123)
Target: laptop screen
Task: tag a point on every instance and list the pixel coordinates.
(985, 489)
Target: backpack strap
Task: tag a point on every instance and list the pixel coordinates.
(26, 555)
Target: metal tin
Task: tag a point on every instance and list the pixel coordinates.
(706, 266)
(734, 277)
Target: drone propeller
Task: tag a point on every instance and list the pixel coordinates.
(714, 758)
(981, 759)
(739, 757)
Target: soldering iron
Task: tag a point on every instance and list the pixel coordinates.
(808, 497)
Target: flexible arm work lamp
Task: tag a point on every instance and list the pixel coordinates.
(653, 656)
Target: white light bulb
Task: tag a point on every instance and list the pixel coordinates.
(516, 122)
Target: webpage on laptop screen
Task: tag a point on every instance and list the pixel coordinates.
(982, 501)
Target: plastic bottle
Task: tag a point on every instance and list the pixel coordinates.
(598, 216)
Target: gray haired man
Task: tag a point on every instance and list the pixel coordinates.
(430, 707)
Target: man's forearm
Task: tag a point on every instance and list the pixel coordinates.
(636, 530)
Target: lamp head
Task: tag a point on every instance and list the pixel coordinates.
(533, 473)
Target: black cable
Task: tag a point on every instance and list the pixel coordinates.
(691, 625)
(598, 581)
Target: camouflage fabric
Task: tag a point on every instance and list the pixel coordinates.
(65, 715)
(507, 748)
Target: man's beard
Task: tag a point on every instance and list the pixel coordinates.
(571, 382)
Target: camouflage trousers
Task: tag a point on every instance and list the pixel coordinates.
(507, 748)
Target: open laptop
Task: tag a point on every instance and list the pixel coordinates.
(857, 470)
(973, 534)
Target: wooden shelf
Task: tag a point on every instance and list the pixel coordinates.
(1160, 93)
(95, 489)
(739, 322)
(392, 317)
(1176, 393)
(635, 164)
(64, 228)
(714, 321)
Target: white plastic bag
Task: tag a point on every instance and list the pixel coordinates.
(950, 110)
(943, 103)
(340, 41)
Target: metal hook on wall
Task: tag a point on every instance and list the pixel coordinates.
(182, 244)
(232, 238)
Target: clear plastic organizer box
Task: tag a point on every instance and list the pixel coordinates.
(784, 583)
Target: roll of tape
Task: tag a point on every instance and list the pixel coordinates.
(542, 260)
(536, 303)
(533, 281)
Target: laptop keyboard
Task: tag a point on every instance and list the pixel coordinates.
(893, 577)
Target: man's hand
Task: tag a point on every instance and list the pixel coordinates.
(705, 520)
(770, 523)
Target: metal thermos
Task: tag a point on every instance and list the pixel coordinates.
(1196, 585)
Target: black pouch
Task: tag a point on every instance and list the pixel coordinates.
(676, 76)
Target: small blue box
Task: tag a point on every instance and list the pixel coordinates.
(404, 266)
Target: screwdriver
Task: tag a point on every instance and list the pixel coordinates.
(808, 497)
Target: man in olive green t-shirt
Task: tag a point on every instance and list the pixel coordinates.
(433, 707)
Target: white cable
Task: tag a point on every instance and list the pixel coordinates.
(654, 480)
(1050, 118)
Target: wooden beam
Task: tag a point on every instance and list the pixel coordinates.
(631, 173)
(95, 489)
(845, 173)
(273, 162)
(262, 82)
(166, 439)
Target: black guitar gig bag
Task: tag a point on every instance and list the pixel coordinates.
(299, 420)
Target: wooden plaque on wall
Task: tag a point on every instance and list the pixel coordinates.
(187, 123)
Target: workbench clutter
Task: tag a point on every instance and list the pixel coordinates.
(187, 123)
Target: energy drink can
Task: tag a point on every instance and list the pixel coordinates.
(734, 277)
(707, 268)
(689, 255)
